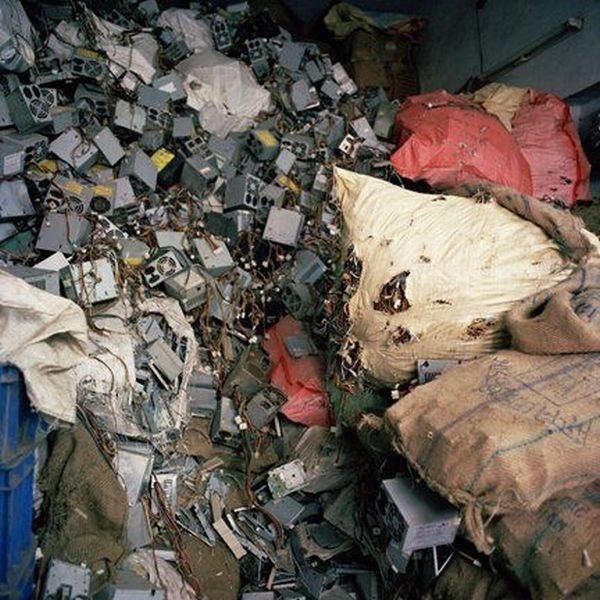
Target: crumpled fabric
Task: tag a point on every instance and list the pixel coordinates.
(139, 56)
(160, 573)
(344, 18)
(224, 91)
(46, 337)
(17, 51)
(186, 25)
(500, 100)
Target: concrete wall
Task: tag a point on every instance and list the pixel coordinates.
(451, 52)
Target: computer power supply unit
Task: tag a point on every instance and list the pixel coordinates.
(415, 517)
(72, 148)
(90, 282)
(12, 159)
(31, 105)
(262, 144)
(213, 255)
(188, 287)
(139, 167)
(160, 268)
(45, 280)
(60, 232)
(129, 116)
(243, 191)
(15, 203)
(88, 63)
(68, 195)
(283, 226)
(197, 174)
(92, 98)
(34, 145)
(221, 34)
(109, 145)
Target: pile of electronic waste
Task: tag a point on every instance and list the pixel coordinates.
(150, 158)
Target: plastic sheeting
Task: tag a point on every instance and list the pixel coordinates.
(17, 51)
(46, 337)
(301, 380)
(188, 27)
(139, 55)
(548, 138)
(223, 91)
(463, 272)
(447, 140)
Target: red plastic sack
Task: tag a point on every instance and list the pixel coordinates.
(548, 138)
(301, 380)
(448, 140)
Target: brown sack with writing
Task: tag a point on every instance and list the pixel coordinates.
(555, 552)
(504, 433)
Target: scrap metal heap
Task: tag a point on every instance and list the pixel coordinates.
(116, 194)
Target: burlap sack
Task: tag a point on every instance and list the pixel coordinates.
(500, 100)
(85, 507)
(561, 320)
(503, 433)
(566, 317)
(555, 552)
(462, 580)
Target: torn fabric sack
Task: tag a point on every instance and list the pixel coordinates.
(439, 273)
(564, 318)
(46, 337)
(85, 506)
(224, 91)
(554, 552)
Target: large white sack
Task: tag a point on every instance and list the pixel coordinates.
(468, 264)
(46, 337)
(224, 91)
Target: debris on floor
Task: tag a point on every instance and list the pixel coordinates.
(253, 361)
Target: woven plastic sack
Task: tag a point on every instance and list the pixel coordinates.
(548, 139)
(460, 265)
(447, 140)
